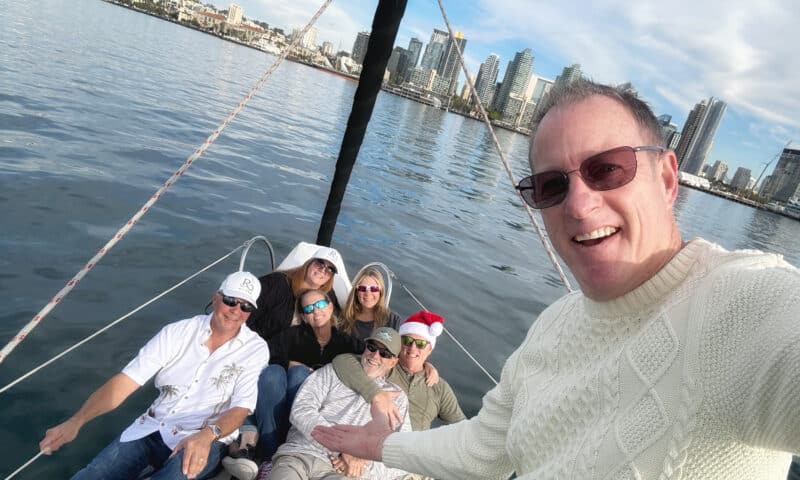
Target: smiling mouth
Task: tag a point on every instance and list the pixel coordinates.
(595, 236)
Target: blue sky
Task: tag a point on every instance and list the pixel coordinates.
(675, 53)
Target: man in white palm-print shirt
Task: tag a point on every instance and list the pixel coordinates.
(206, 370)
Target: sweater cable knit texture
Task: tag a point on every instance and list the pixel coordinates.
(694, 374)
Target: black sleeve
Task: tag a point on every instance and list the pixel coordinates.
(279, 347)
(275, 306)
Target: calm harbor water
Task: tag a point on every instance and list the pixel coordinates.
(99, 105)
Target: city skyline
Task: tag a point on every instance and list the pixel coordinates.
(674, 57)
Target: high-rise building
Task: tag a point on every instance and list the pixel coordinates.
(487, 76)
(741, 179)
(309, 40)
(784, 183)
(718, 171)
(668, 129)
(541, 89)
(449, 64)
(515, 82)
(434, 50)
(698, 134)
(327, 48)
(569, 74)
(235, 14)
(415, 47)
(360, 47)
(398, 65)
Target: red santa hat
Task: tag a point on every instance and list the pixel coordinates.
(426, 324)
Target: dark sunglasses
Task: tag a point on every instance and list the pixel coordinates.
(371, 288)
(324, 266)
(605, 171)
(409, 340)
(246, 307)
(319, 304)
(383, 351)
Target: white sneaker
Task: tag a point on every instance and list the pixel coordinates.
(241, 468)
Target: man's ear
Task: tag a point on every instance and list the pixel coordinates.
(669, 175)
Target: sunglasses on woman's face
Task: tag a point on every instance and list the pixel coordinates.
(383, 351)
(245, 306)
(409, 340)
(321, 265)
(605, 171)
(368, 288)
(319, 304)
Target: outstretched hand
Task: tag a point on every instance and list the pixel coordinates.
(364, 441)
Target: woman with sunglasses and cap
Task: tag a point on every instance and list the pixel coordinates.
(295, 353)
(279, 290)
(366, 309)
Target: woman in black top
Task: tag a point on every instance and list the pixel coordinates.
(299, 350)
(279, 290)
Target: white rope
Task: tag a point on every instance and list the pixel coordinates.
(506, 165)
(25, 465)
(20, 336)
(120, 319)
(452, 337)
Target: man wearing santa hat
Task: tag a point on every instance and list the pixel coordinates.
(418, 335)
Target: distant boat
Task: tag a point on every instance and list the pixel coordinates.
(792, 208)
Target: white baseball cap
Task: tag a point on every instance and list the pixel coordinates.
(242, 285)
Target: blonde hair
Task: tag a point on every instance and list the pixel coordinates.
(297, 276)
(353, 307)
(298, 307)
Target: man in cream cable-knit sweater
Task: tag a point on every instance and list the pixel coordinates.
(676, 359)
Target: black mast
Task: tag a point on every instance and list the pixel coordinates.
(381, 41)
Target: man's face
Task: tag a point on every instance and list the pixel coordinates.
(375, 365)
(225, 319)
(411, 357)
(632, 228)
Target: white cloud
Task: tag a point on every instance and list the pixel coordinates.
(683, 51)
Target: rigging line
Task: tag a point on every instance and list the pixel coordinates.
(452, 337)
(25, 465)
(506, 165)
(120, 319)
(20, 336)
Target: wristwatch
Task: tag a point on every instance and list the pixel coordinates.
(215, 430)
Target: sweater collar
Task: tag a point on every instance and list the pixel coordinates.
(651, 292)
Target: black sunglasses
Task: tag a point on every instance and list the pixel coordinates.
(246, 307)
(320, 264)
(605, 171)
(383, 351)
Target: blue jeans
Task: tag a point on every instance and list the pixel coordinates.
(128, 460)
(276, 391)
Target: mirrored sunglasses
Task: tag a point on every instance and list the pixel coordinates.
(245, 306)
(319, 304)
(322, 265)
(383, 351)
(605, 171)
(409, 340)
(370, 288)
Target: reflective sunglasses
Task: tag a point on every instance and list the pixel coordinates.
(383, 351)
(246, 307)
(320, 265)
(319, 304)
(605, 171)
(409, 340)
(370, 288)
